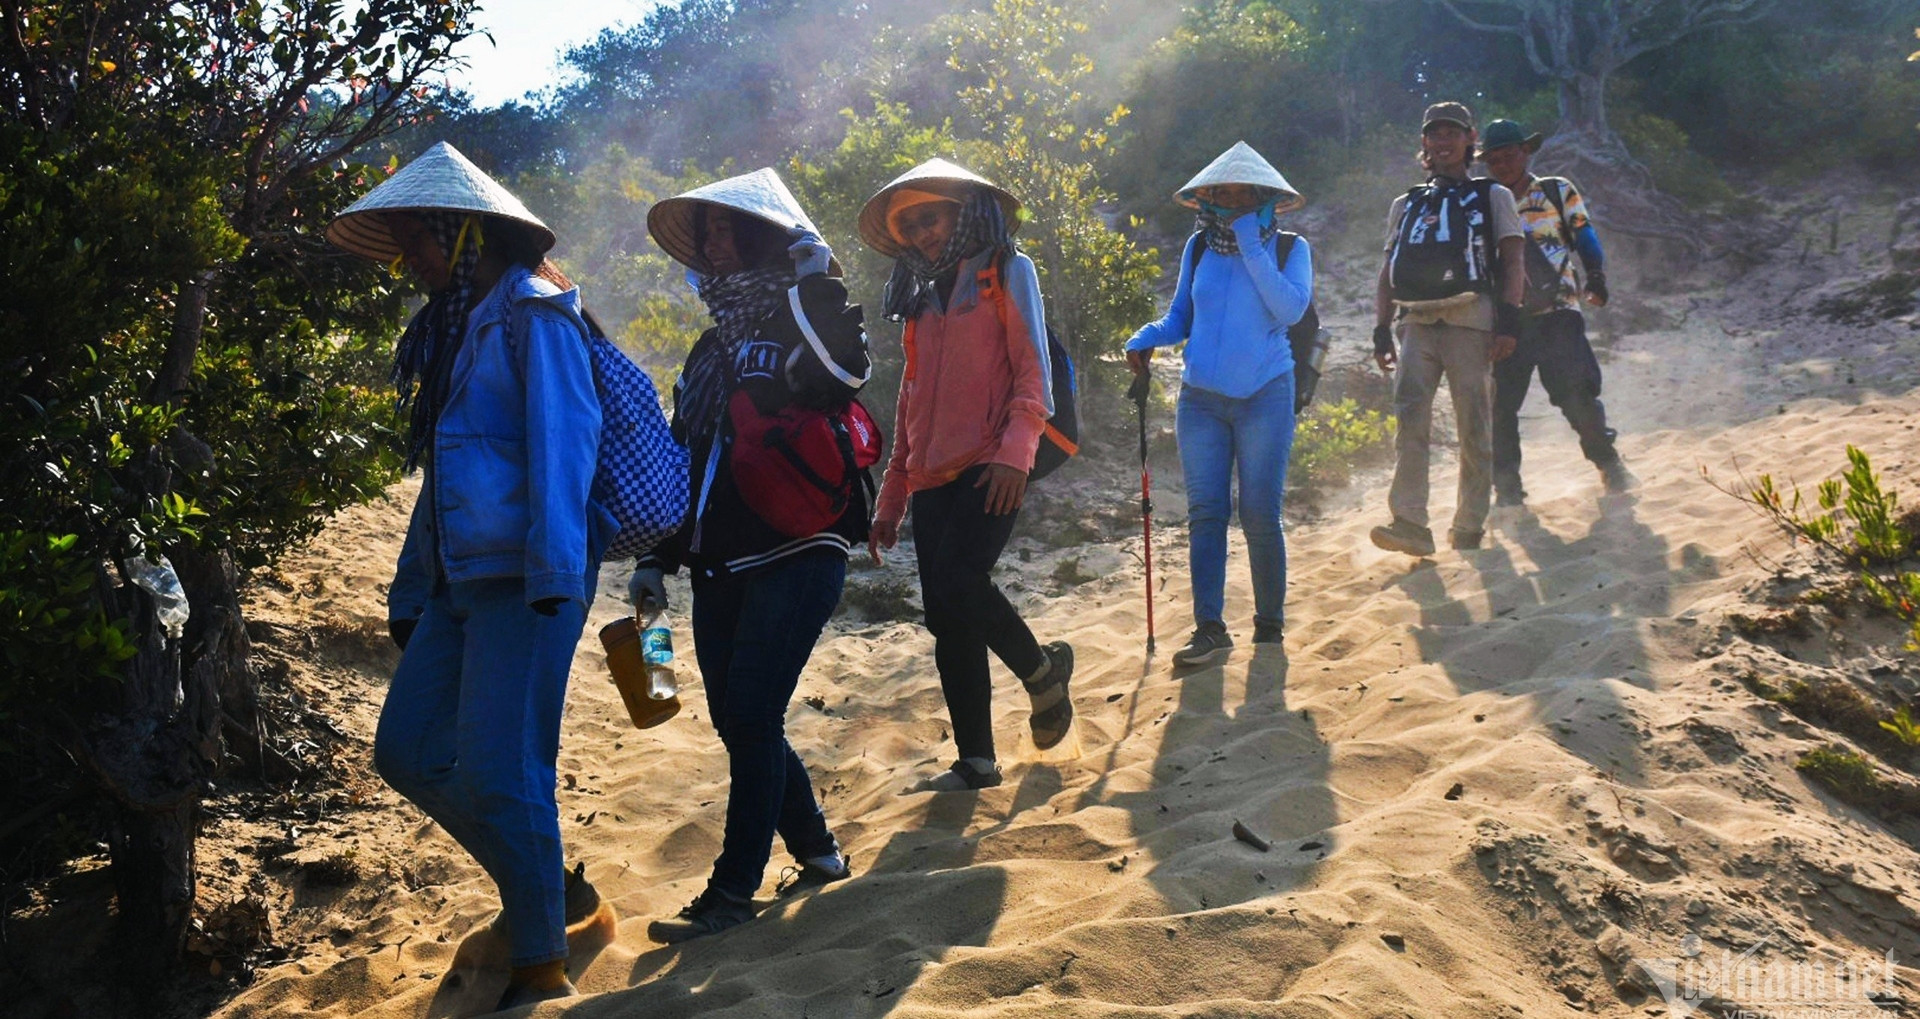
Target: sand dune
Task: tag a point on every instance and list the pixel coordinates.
(1491, 780)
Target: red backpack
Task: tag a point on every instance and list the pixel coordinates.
(796, 467)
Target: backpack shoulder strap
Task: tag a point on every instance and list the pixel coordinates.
(906, 345)
(1196, 246)
(1283, 250)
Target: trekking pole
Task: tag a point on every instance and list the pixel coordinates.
(1138, 394)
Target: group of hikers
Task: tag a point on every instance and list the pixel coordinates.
(505, 414)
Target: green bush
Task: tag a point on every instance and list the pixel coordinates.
(1332, 439)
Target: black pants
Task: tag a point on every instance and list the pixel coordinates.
(957, 543)
(1556, 344)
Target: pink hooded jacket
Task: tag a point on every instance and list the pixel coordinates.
(976, 388)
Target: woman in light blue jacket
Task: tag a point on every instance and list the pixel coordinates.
(1242, 283)
(504, 544)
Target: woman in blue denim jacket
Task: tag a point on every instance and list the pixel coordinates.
(1232, 306)
(503, 548)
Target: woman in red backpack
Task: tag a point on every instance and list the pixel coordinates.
(761, 595)
(974, 400)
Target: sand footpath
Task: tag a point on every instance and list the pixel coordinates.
(1491, 780)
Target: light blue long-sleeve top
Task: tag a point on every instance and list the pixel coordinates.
(1233, 312)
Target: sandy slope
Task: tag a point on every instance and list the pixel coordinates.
(1616, 790)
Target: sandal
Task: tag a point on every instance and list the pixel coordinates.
(1052, 707)
(965, 773)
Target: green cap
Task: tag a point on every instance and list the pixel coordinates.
(1502, 133)
(1448, 113)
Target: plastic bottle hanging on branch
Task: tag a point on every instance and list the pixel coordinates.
(640, 656)
(169, 598)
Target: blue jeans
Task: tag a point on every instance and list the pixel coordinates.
(1221, 437)
(752, 634)
(469, 733)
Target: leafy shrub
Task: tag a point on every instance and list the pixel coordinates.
(1331, 440)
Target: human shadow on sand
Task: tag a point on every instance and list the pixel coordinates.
(1558, 630)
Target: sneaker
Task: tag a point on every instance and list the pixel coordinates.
(1052, 707)
(1465, 541)
(1265, 632)
(712, 912)
(1209, 643)
(813, 872)
(965, 773)
(1402, 536)
(1617, 478)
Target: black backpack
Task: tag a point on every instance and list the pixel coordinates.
(1440, 246)
(1305, 337)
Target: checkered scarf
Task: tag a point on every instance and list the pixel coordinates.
(423, 359)
(738, 302)
(981, 225)
(1216, 226)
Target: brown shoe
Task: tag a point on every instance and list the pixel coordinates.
(1401, 536)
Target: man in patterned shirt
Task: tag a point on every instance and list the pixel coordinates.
(1553, 337)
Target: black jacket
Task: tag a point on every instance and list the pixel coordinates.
(825, 359)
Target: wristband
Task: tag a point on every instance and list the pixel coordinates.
(1382, 340)
(1507, 319)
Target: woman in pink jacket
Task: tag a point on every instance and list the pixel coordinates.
(974, 400)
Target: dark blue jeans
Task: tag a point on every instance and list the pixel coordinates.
(752, 634)
(1556, 344)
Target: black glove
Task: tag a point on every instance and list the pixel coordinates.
(1507, 320)
(1597, 286)
(548, 606)
(401, 630)
(1382, 340)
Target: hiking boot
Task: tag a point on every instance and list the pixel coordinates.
(1617, 478)
(813, 872)
(1265, 632)
(1052, 707)
(965, 773)
(710, 913)
(519, 995)
(1465, 541)
(1209, 643)
(1401, 536)
(582, 901)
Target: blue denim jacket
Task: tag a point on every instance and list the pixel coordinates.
(1233, 313)
(509, 473)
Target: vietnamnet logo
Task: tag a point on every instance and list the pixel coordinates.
(1744, 986)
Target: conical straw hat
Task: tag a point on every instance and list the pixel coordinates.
(441, 178)
(937, 176)
(760, 194)
(1241, 165)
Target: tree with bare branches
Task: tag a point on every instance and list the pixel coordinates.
(1580, 45)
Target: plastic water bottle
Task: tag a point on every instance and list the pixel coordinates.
(656, 649)
(640, 658)
(169, 598)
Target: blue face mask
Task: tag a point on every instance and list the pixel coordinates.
(1264, 213)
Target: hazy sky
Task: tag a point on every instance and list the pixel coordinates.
(528, 37)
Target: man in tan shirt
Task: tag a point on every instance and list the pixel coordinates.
(1452, 278)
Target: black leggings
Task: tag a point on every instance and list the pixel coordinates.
(957, 543)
